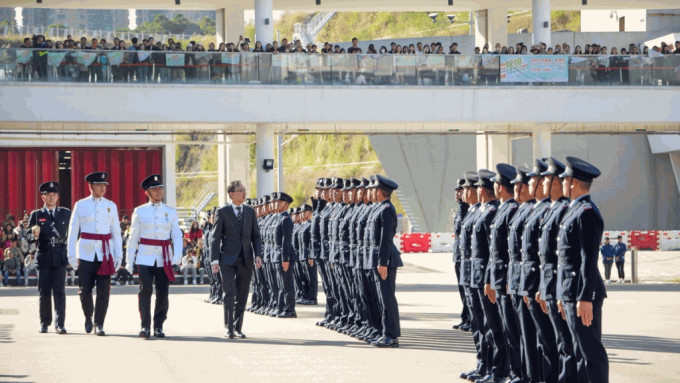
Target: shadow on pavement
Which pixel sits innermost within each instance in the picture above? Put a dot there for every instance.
(644, 287)
(436, 340)
(641, 343)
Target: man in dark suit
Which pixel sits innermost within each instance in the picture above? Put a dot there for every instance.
(51, 259)
(236, 245)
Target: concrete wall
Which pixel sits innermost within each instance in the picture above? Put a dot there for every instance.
(636, 191)
(426, 168)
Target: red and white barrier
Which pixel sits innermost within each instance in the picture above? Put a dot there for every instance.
(441, 242)
(416, 243)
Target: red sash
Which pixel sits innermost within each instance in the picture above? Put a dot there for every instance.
(106, 267)
(165, 245)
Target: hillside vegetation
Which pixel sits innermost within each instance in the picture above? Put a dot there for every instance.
(305, 157)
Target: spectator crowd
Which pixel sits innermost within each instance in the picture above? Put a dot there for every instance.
(133, 66)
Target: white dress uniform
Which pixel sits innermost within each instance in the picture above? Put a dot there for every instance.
(95, 216)
(153, 221)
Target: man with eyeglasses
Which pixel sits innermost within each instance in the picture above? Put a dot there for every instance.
(236, 247)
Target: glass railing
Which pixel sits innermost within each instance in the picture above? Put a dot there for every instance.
(224, 68)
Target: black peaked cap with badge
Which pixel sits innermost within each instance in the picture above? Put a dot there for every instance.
(459, 184)
(338, 183)
(152, 181)
(522, 175)
(283, 197)
(485, 178)
(386, 183)
(505, 173)
(320, 183)
(580, 169)
(555, 167)
(355, 183)
(49, 187)
(364, 183)
(539, 167)
(471, 178)
(347, 185)
(306, 207)
(327, 183)
(97, 178)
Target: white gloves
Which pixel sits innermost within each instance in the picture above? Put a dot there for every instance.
(116, 263)
(130, 268)
(74, 263)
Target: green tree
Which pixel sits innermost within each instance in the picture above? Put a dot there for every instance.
(207, 26)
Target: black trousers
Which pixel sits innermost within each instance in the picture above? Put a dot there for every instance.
(545, 334)
(511, 331)
(530, 357)
(493, 332)
(620, 270)
(565, 346)
(372, 300)
(148, 276)
(325, 283)
(464, 315)
(484, 349)
(608, 271)
(51, 282)
(361, 315)
(298, 278)
(588, 341)
(272, 276)
(286, 299)
(312, 290)
(343, 294)
(236, 285)
(389, 308)
(88, 279)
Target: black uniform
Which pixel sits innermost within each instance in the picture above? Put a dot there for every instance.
(51, 260)
(457, 225)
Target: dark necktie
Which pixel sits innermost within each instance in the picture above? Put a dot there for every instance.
(238, 214)
(51, 214)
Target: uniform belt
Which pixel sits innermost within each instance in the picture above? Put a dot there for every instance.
(55, 241)
(106, 267)
(165, 246)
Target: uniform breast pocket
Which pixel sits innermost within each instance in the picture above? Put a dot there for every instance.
(499, 275)
(566, 283)
(477, 271)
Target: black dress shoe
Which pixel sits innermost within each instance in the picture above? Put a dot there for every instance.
(43, 329)
(99, 330)
(60, 330)
(475, 376)
(287, 315)
(484, 379)
(321, 323)
(88, 325)
(497, 380)
(239, 335)
(158, 333)
(144, 333)
(459, 325)
(229, 334)
(386, 342)
(465, 328)
(464, 375)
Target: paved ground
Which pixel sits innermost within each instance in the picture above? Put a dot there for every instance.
(640, 333)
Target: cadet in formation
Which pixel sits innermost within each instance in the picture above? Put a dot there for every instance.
(155, 245)
(530, 239)
(95, 248)
(51, 225)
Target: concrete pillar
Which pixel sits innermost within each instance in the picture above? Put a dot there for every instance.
(541, 142)
(541, 14)
(264, 22)
(264, 149)
(497, 27)
(229, 24)
(493, 149)
(169, 177)
(491, 26)
(233, 163)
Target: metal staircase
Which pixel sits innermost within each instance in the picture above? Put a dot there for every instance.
(191, 213)
(307, 32)
(413, 218)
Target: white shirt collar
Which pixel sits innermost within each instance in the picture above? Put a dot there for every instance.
(578, 199)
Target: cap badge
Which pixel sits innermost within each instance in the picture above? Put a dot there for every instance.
(155, 178)
(103, 175)
(51, 184)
